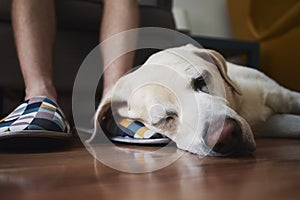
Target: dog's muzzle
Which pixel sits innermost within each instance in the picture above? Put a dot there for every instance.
(230, 140)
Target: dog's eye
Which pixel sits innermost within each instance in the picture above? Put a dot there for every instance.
(199, 84)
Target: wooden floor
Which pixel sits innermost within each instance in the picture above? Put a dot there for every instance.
(72, 173)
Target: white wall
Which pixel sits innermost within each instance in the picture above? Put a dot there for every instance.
(206, 17)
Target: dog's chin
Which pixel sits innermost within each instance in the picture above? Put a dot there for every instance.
(244, 150)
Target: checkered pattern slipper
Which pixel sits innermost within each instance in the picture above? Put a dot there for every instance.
(37, 116)
(133, 132)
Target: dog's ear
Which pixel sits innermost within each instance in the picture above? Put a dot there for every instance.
(103, 106)
(117, 96)
(220, 62)
(102, 109)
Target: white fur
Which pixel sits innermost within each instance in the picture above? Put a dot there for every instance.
(162, 86)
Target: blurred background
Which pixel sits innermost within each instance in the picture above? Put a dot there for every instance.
(203, 17)
(273, 24)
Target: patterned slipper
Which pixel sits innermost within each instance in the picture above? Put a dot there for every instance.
(35, 117)
(132, 132)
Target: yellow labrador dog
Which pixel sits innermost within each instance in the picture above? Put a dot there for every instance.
(203, 103)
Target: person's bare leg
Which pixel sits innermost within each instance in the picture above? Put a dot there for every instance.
(118, 16)
(34, 30)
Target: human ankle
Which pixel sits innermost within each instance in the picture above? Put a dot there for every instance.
(48, 91)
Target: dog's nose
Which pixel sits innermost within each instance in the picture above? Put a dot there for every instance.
(230, 138)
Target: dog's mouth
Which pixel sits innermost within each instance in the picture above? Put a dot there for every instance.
(230, 141)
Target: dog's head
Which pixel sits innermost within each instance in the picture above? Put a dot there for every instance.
(185, 94)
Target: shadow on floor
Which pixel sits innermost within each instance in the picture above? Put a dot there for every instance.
(34, 145)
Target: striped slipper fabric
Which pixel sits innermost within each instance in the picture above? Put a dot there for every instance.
(138, 130)
(134, 132)
(35, 114)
